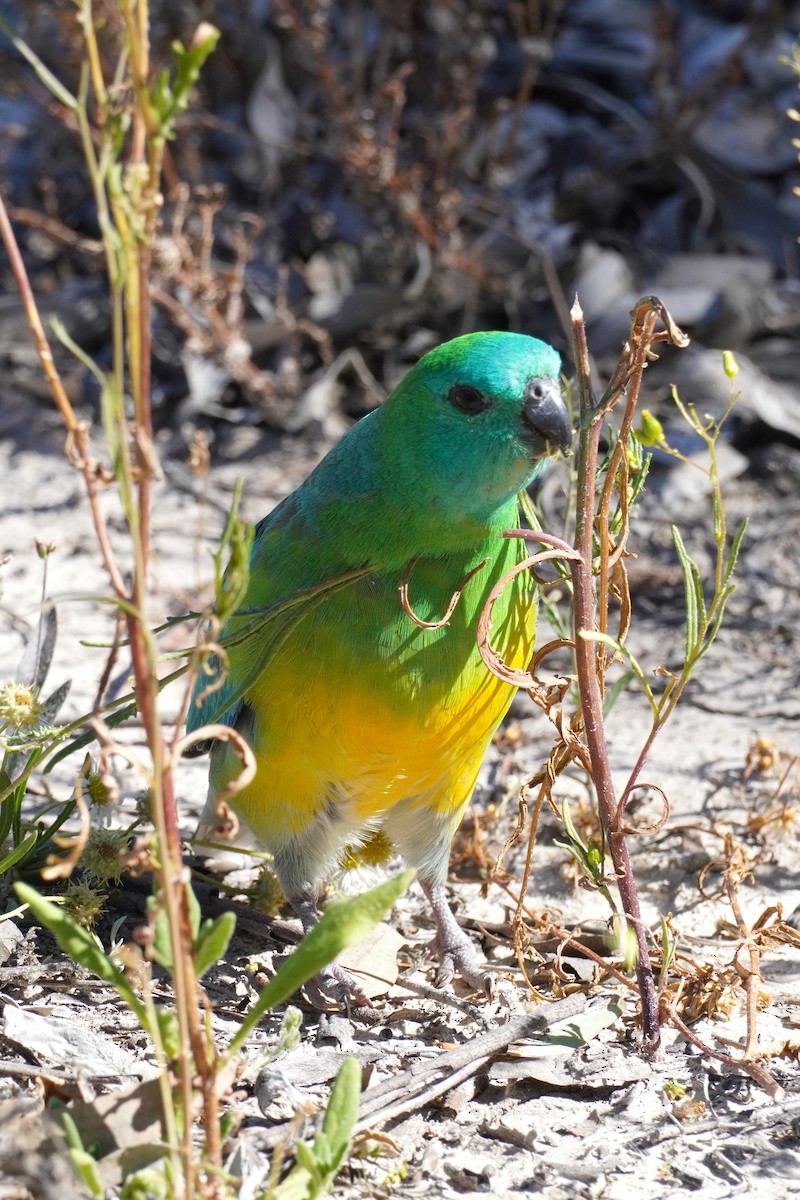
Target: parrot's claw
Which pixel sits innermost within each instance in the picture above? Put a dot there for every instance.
(334, 983)
(462, 959)
(454, 949)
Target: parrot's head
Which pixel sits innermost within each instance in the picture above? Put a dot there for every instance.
(473, 422)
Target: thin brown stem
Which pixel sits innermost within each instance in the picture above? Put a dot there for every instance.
(755, 1070)
(585, 618)
(77, 432)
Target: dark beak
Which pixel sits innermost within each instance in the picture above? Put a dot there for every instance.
(545, 414)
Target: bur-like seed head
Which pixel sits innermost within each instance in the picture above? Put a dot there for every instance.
(19, 706)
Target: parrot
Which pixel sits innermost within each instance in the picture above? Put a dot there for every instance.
(365, 710)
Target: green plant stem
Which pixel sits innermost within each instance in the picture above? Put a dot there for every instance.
(585, 615)
(127, 197)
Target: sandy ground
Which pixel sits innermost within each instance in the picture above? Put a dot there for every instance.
(598, 1121)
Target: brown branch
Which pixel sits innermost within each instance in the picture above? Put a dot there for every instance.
(585, 618)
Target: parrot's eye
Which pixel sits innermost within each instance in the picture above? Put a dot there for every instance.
(468, 399)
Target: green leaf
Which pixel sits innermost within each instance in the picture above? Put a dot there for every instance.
(306, 1157)
(593, 635)
(719, 614)
(668, 947)
(20, 851)
(689, 569)
(162, 941)
(341, 1113)
(169, 1031)
(212, 941)
(46, 76)
(8, 807)
(289, 1032)
(232, 560)
(736, 545)
(60, 330)
(111, 719)
(700, 601)
(194, 912)
(88, 1172)
(318, 1162)
(343, 923)
(81, 947)
(84, 1163)
(572, 833)
(615, 691)
(296, 1186)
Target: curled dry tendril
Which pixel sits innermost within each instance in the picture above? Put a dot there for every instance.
(405, 603)
(642, 830)
(498, 667)
(242, 749)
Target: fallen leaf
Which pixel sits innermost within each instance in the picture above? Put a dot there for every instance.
(374, 962)
(70, 1045)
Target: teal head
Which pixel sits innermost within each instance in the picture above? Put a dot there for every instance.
(473, 422)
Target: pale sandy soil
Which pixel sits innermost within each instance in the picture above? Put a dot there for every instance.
(600, 1123)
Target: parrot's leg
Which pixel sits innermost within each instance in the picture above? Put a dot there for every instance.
(455, 950)
(333, 981)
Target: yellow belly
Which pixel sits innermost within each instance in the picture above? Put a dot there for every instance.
(363, 719)
(331, 739)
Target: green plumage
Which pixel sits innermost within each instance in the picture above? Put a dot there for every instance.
(358, 717)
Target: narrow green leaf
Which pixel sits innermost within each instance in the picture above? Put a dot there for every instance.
(296, 1186)
(528, 511)
(170, 1032)
(668, 948)
(736, 545)
(700, 601)
(615, 691)
(307, 1158)
(606, 639)
(85, 1165)
(47, 77)
(690, 595)
(572, 833)
(20, 851)
(213, 940)
(194, 912)
(162, 942)
(161, 947)
(719, 614)
(112, 719)
(8, 806)
(341, 1112)
(59, 329)
(321, 1154)
(719, 515)
(79, 944)
(343, 923)
(88, 1172)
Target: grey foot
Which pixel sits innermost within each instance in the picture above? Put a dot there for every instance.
(332, 982)
(456, 952)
